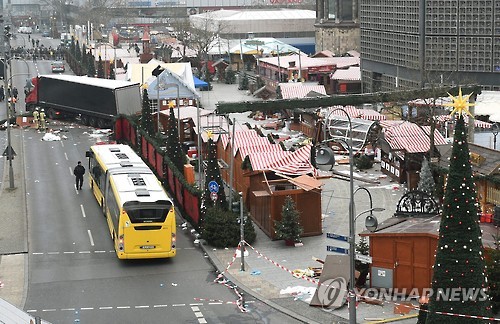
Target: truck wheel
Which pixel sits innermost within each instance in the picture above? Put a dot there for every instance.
(101, 123)
(93, 121)
(85, 120)
(51, 113)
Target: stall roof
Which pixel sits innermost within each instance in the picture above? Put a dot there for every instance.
(410, 137)
(423, 226)
(185, 84)
(487, 161)
(300, 89)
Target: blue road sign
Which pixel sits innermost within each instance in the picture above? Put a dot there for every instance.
(213, 186)
(337, 237)
(337, 249)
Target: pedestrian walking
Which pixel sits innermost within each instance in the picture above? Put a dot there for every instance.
(42, 126)
(36, 118)
(79, 171)
(15, 92)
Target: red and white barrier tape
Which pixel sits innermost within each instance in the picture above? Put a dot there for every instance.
(361, 297)
(221, 280)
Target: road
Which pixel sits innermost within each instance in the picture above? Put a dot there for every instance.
(73, 272)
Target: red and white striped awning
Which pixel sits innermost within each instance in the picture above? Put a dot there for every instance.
(477, 123)
(352, 73)
(351, 111)
(411, 137)
(370, 114)
(284, 162)
(300, 90)
(354, 112)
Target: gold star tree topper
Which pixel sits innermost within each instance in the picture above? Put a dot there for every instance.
(460, 103)
(171, 104)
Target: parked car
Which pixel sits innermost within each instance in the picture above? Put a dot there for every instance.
(46, 33)
(57, 67)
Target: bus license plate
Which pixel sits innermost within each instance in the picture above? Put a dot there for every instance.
(147, 247)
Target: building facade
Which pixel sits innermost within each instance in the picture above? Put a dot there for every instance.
(417, 43)
(337, 26)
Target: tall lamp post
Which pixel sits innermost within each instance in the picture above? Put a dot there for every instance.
(494, 129)
(352, 292)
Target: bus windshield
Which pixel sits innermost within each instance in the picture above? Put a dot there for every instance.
(141, 212)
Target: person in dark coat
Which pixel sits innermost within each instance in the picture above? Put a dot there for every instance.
(79, 171)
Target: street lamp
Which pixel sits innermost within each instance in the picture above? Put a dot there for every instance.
(352, 292)
(494, 129)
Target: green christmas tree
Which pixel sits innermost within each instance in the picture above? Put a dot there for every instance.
(459, 260)
(212, 173)
(78, 53)
(243, 82)
(174, 148)
(426, 182)
(90, 65)
(112, 74)
(289, 228)
(100, 68)
(146, 117)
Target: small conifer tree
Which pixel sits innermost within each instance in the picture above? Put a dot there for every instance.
(289, 228)
(146, 117)
(426, 182)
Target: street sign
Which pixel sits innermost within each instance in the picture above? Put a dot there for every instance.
(9, 152)
(213, 196)
(337, 249)
(337, 237)
(213, 186)
(363, 258)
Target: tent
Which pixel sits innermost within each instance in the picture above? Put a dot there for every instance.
(200, 84)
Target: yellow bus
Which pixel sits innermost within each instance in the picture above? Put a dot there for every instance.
(139, 213)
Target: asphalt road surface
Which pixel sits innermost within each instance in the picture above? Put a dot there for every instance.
(74, 274)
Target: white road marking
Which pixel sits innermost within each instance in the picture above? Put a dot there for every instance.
(155, 306)
(52, 253)
(87, 308)
(69, 252)
(176, 305)
(142, 306)
(99, 251)
(106, 307)
(123, 307)
(90, 237)
(218, 303)
(84, 252)
(66, 156)
(202, 321)
(83, 211)
(196, 304)
(195, 309)
(70, 171)
(49, 310)
(67, 309)
(198, 314)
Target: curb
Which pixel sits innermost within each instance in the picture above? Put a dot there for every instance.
(215, 262)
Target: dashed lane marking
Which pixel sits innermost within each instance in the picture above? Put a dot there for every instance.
(88, 252)
(196, 309)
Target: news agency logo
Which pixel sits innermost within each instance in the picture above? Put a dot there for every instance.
(333, 293)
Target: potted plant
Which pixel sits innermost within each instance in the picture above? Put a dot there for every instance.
(289, 228)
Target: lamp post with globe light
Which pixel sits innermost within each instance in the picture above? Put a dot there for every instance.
(324, 157)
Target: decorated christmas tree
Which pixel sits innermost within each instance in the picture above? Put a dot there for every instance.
(459, 264)
(112, 73)
(289, 228)
(78, 52)
(212, 174)
(426, 182)
(174, 148)
(146, 117)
